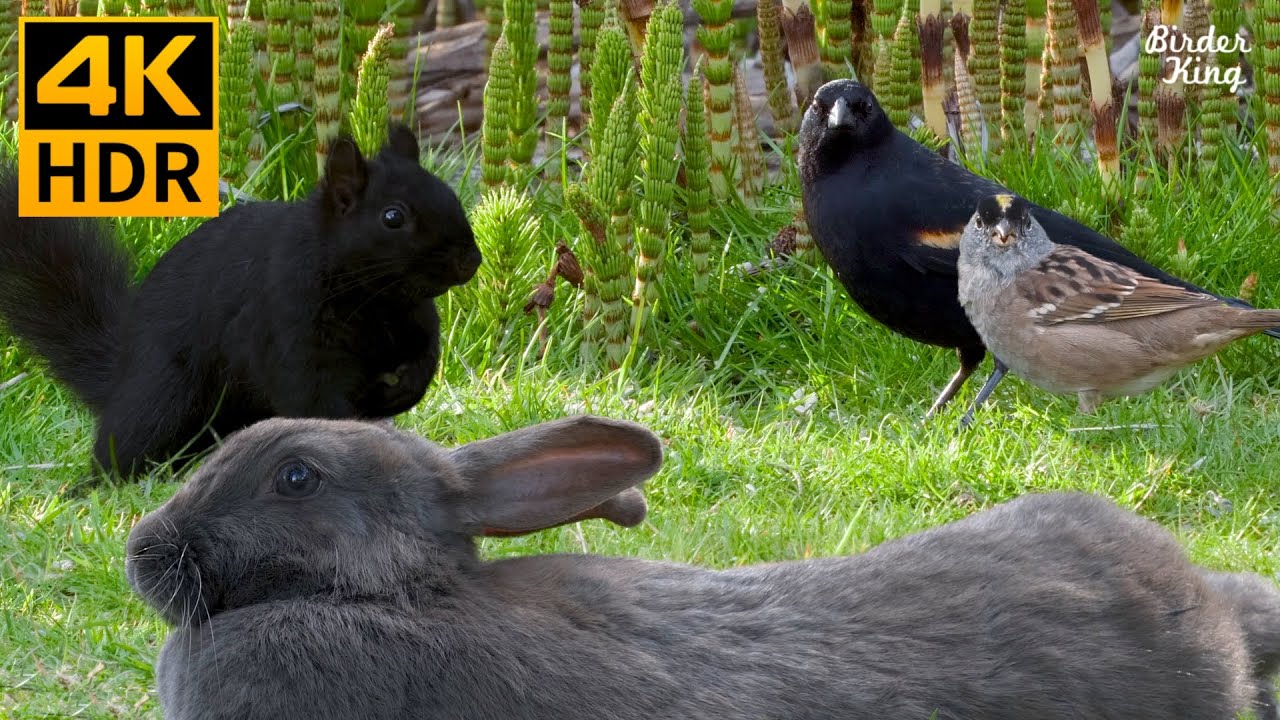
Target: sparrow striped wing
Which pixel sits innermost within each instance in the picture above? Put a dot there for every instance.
(1070, 285)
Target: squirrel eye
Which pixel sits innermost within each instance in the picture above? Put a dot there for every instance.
(296, 480)
(393, 218)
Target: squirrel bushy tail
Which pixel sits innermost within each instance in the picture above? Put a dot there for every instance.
(64, 286)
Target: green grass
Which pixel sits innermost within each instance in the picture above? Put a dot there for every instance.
(755, 470)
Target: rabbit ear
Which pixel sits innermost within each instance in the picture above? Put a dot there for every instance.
(345, 175)
(555, 473)
(402, 141)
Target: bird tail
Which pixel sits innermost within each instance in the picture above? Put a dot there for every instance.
(64, 289)
(1253, 320)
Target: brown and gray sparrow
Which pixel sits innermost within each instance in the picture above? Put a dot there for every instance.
(1070, 322)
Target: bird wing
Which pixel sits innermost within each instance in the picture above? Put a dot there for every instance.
(1071, 285)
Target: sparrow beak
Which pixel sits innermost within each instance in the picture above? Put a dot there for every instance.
(1002, 234)
(839, 114)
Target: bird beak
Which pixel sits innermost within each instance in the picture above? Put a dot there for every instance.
(839, 114)
(1002, 233)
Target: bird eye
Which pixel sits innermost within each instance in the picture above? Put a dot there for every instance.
(393, 218)
(296, 480)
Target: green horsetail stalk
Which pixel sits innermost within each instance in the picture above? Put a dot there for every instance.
(1012, 36)
(327, 18)
(802, 45)
(505, 227)
(608, 74)
(932, 33)
(984, 65)
(401, 94)
(781, 106)
(1211, 136)
(716, 33)
(750, 156)
(837, 51)
(175, 8)
(1064, 70)
(369, 112)
(494, 130)
(1149, 68)
(1035, 61)
(1101, 104)
(612, 186)
(520, 29)
(884, 20)
(304, 44)
(1266, 24)
(595, 234)
(280, 45)
(1226, 18)
(116, 8)
(901, 60)
(235, 85)
(882, 73)
(590, 17)
(494, 20)
(10, 10)
(1195, 23)
(697, 177)
(661, 80)
(559, 66)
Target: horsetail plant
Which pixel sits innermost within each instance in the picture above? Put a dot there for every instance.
(1064, 69)
(750, 156)
(520, 29)
(884, 20)
(1266, 30)
(369, 112)
(882, 73)
(966, 100)
(304, 43)
(236, 121)
(899, 92)
(1012, 35)
(1195, 24)
(802, 45)
(1149, 66)
(497, 104)
(716, 33)
(697, 176)
(635, 15)
(1101, 103)
(983, 64)
(507, 228)
(400, 94)
(1170, 96)
(781, 106)
(327, 19)
(590, 17)
(1226, 19)
(608, 73)
(932, 37)
(837, 51)
(10, 10)
(661, 81)
(494, 20)
(280, 45)
(116, 8)
(559, 66)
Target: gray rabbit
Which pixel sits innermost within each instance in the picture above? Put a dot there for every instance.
(319, 569)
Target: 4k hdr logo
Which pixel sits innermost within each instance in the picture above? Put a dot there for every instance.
(118, 117)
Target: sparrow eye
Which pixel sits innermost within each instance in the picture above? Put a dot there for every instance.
(296, 480)
(393, 218)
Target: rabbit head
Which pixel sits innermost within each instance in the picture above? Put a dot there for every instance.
(392, 215)
(296, 507)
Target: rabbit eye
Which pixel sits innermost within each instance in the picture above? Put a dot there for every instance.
(296, 480)
(393, 218)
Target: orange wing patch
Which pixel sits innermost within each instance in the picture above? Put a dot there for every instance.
(943, 240)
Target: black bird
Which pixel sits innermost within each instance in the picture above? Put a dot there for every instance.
(887, 214)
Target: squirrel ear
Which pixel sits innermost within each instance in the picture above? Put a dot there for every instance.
(555, 473)
(345, 175)
(402, 141)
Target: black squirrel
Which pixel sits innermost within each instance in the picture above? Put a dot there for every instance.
(323, 307)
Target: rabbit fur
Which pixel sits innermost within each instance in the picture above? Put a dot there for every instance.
(326, 569)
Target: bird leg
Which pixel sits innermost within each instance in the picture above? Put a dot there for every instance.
(986, 391)
(970, 359)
